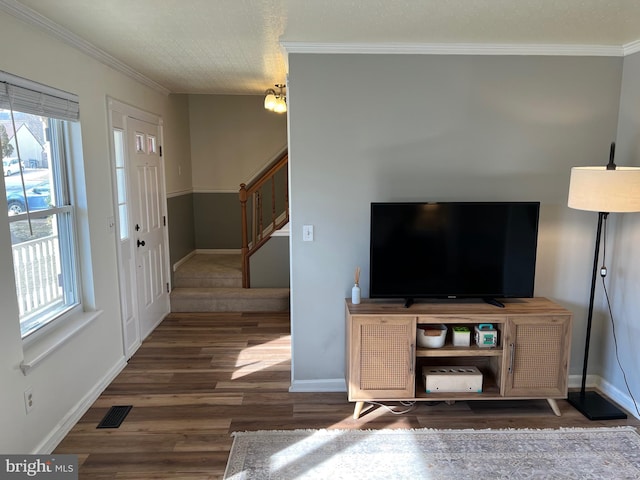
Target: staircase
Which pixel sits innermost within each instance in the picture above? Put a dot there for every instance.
(213, 283)
(264, 210)
(221, 282)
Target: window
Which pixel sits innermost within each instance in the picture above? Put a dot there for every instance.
(34, 135)
(121, 183)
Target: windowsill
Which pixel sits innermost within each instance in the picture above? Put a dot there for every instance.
(36, 351)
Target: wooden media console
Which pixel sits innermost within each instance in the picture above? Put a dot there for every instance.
(530, 359)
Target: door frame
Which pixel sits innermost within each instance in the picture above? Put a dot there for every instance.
(118, 114)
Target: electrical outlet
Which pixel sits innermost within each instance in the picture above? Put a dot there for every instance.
(28, 399)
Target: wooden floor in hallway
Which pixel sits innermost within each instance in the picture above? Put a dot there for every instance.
(199, 377)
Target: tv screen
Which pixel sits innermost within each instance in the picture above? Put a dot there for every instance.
(453, 249)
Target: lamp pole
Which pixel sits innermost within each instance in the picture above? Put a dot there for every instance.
(603, 190)
(591, 404)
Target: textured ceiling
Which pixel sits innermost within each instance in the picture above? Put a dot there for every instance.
(233, 46)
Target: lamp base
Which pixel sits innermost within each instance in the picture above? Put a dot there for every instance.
(595, 407)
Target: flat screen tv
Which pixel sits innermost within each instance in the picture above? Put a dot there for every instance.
(484, 250)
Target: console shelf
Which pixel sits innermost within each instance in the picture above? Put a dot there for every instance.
(490, 390)
(530, 360)
(451, 351)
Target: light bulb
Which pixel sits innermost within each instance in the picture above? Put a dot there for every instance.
(280, 106)
(270, 102)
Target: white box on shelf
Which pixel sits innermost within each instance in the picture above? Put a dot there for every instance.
(452, 379)
(431, 336)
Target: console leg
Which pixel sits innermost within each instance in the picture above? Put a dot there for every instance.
(554, 406)
(357, 410)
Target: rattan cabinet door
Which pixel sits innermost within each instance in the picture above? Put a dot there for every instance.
(538, 356)
(382, 357)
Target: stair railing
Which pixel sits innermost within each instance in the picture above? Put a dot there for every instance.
(263, 223)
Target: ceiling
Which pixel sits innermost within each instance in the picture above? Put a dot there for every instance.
(235, 46)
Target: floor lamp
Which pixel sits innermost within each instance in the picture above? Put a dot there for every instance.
(604, 190)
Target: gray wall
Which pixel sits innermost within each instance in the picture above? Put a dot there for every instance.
(623, 253)
(217, 215)
(181, 227)
(369, 128)
(217, 220)
(270, 264)
(232, 138)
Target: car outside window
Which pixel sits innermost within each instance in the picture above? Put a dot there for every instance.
(40, 213)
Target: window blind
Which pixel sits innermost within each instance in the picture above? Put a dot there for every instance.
(31, 97)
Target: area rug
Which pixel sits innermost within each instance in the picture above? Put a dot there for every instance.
(425, 454)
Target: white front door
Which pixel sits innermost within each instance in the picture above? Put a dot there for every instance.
(140, 221)
(149, 222)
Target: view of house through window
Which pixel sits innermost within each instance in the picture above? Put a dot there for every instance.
(40, 213)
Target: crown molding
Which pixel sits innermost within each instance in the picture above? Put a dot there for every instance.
(24, 13)
(454, 49)
(631, 48)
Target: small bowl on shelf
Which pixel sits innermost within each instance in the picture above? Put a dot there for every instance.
(431, 336)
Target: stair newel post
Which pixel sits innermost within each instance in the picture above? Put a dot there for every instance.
(245, 236)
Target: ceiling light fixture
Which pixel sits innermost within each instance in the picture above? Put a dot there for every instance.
(276, 101)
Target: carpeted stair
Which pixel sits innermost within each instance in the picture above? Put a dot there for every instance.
(213, 283)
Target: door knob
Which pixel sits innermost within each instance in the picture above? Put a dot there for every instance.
(140, 243)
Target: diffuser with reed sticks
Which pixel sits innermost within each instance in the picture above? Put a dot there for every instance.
(355, 291)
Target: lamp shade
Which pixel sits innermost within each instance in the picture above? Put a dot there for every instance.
(600, 190)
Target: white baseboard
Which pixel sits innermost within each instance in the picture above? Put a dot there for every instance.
(575, 381)
(72, 417)
(618, 396)
(324, 385)
(206, 251)
(183, 260)
(595, 381)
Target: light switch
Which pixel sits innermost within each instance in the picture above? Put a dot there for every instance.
(307, 233)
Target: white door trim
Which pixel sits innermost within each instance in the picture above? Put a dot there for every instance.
(118, 113)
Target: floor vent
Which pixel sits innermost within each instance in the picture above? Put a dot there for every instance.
(115, 416)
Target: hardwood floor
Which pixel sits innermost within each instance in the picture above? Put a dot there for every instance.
(199, 377)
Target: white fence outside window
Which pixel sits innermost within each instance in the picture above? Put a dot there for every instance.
(36, 265)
